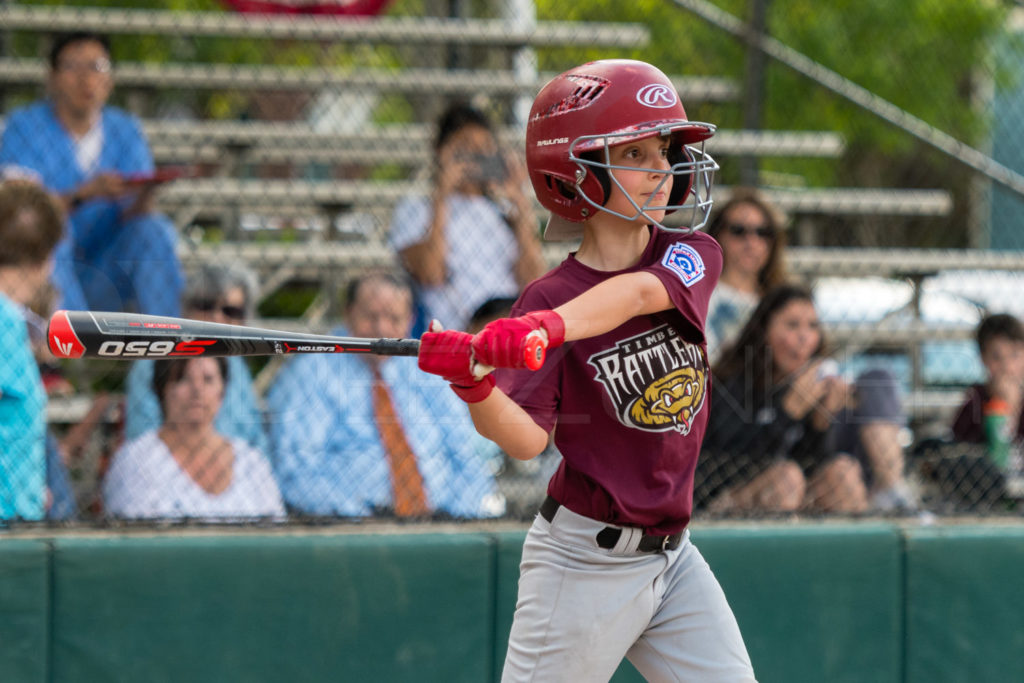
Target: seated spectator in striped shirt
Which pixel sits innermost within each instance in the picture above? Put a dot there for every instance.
(476, 235)
(333, 455)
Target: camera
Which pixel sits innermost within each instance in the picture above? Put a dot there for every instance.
(488, 167)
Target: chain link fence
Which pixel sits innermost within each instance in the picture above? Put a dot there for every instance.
(266, 162)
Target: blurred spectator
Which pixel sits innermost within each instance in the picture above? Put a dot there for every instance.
(787, 433)
(476, 237)
(750, 231)
(31, 225)
(1001, 346)
(981, 468)
(119, 254)
(185, 468)
(63, 450)
(338, 452)
(220, 294)
(60, 498)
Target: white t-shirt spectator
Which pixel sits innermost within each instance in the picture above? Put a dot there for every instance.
(145, 481)
(481, 259)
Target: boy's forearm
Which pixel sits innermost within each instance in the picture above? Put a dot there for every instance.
(607, 305)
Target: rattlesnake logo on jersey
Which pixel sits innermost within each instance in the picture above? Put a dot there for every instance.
(671, 400)
(656, 380)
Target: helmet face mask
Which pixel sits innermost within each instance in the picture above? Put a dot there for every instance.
(691, 170)
(581, 114)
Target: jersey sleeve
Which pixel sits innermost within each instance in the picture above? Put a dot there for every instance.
(689, 267)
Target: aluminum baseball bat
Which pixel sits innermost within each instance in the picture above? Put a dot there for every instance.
(129, 336)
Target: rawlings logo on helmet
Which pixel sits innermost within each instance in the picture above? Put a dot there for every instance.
(657, 95)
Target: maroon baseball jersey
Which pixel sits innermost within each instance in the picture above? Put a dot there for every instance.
(628, 407)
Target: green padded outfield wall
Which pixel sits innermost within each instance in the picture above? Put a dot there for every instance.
(965, 604)
(24, 610)
(410, 607)
(816, 602)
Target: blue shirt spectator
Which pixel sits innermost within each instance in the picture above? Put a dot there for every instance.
(119, 253)
(22, 420)
(31, 225)
(327, 449)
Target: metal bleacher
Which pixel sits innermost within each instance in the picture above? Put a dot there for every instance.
(409, 80)
(255, 141)
(437, 30)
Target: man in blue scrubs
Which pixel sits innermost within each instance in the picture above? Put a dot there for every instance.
(119, 254)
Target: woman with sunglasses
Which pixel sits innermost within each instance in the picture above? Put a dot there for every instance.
(220, 294)
(750, 232)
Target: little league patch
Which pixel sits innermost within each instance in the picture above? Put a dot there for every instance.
(684, 261)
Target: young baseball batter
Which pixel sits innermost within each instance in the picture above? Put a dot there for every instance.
(607, 569)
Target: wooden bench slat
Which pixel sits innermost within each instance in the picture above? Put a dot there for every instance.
(804, 261)
(854, 201)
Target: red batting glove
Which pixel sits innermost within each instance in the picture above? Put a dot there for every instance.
(502, 343)
(449, 353)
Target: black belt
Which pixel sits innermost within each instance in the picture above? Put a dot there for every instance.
(609, 536)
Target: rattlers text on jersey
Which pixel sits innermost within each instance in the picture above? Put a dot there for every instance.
(656, 380)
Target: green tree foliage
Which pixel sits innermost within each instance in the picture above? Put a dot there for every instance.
(157, 49)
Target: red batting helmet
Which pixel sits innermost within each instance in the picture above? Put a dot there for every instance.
(599, 105)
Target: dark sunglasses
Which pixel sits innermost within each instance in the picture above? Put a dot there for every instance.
(206, 305)
(765, 232)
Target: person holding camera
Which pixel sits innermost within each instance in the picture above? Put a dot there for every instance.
(477, 236)
(788, 433)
